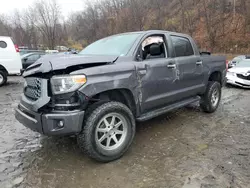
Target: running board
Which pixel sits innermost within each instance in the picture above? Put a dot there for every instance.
(166, 109)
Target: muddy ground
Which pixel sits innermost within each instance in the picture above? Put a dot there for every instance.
(183, 149)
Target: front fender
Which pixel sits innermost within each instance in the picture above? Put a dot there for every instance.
(109, 77)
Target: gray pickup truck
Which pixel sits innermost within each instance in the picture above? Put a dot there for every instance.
(99, 94)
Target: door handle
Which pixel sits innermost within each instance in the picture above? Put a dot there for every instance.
(199, 63)
(143, 70)
(171, 66)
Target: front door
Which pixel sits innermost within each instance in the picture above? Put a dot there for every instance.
(157, 75)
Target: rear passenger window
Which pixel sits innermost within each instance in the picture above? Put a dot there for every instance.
(182, 46)
(3, 44)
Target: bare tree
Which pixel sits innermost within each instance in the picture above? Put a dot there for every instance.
(5, 28)
(47, 14)
(215, 24)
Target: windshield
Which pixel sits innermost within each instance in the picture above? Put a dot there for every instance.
(244, 63)
(115, 45)
(239, 58)
(22, 53)
(25, 55)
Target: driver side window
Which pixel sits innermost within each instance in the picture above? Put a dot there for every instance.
(153, 47)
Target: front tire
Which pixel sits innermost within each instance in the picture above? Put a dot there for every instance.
(211, 99)
(3, 77)
(108, 132)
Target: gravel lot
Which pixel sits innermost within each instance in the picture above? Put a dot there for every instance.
(183, 149)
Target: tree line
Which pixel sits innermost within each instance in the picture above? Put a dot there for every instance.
(216, 25)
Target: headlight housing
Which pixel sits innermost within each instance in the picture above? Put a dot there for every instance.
(67, 83)
(231, 74)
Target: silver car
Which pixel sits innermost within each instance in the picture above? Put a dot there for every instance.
(239, 75)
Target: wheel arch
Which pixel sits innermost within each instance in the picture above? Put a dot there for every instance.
(216, 76)
(122, 95)
(3, 68)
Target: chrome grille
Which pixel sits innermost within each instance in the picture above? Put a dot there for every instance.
(33, 88)
(247, 77)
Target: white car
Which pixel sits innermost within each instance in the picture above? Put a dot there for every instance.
(10, 60)
(236, 60)
(239, 75)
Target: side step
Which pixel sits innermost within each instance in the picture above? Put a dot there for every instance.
(166, 109)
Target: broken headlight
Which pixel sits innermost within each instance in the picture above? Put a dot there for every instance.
(65, 84)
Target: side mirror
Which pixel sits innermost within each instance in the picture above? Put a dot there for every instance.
(230, 65)
(155, 50)
(138, 57)
(25, 59)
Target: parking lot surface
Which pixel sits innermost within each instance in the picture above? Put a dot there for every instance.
(185, 148)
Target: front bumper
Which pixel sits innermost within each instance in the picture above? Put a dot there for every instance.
(234, 80)
(48, 123)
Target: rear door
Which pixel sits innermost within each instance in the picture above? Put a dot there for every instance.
(190, 66)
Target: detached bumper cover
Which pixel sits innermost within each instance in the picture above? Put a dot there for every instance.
(47, 124)
(234, 80)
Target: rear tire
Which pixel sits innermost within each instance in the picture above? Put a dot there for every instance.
(108, 132)
(3, 77)
(211, 99)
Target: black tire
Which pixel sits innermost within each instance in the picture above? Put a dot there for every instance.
(87, 138)
(206, 103)
(4, 75)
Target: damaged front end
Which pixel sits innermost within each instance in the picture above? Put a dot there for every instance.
(51, 103)
(50, 114)
(68, 102)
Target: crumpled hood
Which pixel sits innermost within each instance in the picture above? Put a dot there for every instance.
(240, 70)
(62, 61)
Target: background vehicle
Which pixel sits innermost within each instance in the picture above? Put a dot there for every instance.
(72, 51)
(239, 75)
(10, 61)
(26, 51)
(100, 93)
(51, 51)
(237, 60)
(30, 58)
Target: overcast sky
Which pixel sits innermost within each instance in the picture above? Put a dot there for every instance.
(67, 6)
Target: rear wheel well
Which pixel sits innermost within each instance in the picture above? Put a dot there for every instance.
(123, 96)
(216, 76)
(3, 68)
